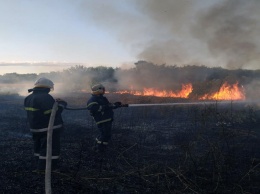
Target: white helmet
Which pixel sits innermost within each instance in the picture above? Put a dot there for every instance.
(44, 83)
(98, 89)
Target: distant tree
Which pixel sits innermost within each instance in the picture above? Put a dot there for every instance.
(78, 69)
(10, 78)
(80, 78)
(101, 74)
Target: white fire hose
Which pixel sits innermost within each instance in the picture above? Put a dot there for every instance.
(165, 104)
(49, 149)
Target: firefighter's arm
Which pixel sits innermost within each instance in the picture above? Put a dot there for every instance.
(116, 105)
(61, 103)
(119, 105)
(93, 106)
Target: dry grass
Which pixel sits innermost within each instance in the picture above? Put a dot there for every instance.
(180, 149)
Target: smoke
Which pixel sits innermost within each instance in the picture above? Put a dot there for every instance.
(252, 92)
(230, 30)
(174, 32)
(169, 37)
(212, 33)
(15, 88)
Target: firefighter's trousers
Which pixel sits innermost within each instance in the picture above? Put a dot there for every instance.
(104, 135)
(40, 148)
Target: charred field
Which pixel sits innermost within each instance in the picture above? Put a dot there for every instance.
(203, 148)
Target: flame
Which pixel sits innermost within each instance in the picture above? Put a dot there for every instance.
(183, 93)
(226, 92)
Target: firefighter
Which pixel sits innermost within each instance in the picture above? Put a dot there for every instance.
(102, 112)
(38, 106)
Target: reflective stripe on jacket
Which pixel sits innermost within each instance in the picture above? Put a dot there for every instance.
(98, 107)
(38, 106)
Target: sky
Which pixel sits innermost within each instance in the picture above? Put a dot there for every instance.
(51, 35)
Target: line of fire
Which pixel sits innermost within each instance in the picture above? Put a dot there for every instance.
(225, 92)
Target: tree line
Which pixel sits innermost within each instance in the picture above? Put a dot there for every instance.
(143, 75)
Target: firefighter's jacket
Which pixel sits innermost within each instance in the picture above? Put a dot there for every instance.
(100, 108)
(39, 107)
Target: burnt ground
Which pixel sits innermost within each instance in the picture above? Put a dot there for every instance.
(160, 149)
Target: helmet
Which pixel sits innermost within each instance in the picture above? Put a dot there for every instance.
(98, 89)
(44, 83)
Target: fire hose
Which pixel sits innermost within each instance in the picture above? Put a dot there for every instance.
(136, 105)
(85, 108)
(160, 104)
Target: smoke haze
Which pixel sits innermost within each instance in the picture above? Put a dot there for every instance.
(220, 33)
(230, 31)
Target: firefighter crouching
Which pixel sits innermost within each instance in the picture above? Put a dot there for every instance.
(102, 112)
(39, 107)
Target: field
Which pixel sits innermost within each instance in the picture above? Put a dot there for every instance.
(200, 148)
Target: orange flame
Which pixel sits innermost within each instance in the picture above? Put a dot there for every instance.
(183, 93)
(226, 92)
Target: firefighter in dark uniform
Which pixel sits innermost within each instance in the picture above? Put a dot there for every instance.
(39, 107)
(102, 112)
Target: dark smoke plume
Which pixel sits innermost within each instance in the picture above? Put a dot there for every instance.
(191, 32)
(230, 30)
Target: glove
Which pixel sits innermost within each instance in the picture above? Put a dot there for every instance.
(111, 106)
(62, 103)
(117, 104)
